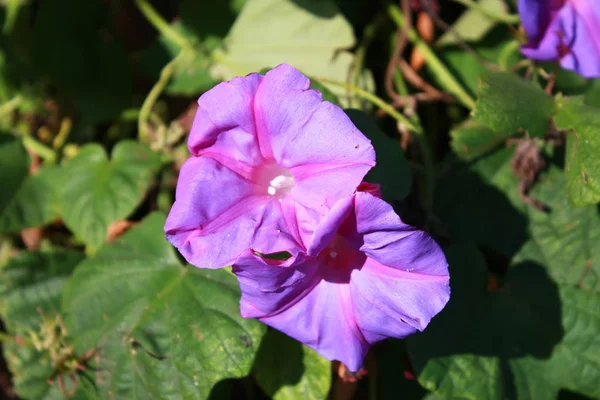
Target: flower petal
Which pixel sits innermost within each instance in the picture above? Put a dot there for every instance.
(535, 17)
(571, 37)
(325, 153)
(377, 231)
(268, 289)
(390, 302)
(217, 216)
(324, 320)
(584, 57)
(282, 105)
(224, 126)
(328, 226)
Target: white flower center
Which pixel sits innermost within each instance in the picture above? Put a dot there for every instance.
(281, 184)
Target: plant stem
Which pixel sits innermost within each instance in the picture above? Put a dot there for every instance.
(160, 24)
(368, 36)
(165, 75)
(10, 105)
(63, 133)
(504, 18)
(47, 154)
(445, 78)
(5, 337)
(373, 99)
(130, 114)
(12, 14)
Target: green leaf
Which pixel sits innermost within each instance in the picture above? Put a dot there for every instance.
(208, 19)
(164, 330)
(469, 69)
(75, 45)
(96, 192)
(566, 239)
(14, 166)
(472, 25)
(592, 94)
(583, 150)
(286, 369)
(527, 339)
(392, 362)
(34, 204)
(508, 104)
(391, 171)
(307, 34)
(471, 139)
(32, 281)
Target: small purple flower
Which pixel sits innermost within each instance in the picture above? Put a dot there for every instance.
(269, 159)
(373, 277)
(565, 30)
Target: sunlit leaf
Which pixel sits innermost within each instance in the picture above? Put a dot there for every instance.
(163, 329)
(582, 164)
(307, 34)
(509, 104)
(96, 191)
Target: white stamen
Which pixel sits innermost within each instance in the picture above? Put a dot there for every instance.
(281, 183)
(333, 254)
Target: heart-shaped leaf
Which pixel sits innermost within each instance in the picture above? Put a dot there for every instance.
(96, 191)
(162, 329)
(30, 283)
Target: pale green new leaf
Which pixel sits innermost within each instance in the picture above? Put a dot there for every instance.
(307, 34)
(472, 25)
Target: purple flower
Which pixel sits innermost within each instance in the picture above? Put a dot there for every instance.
(565, 30)
(374, 277)
(269, 159)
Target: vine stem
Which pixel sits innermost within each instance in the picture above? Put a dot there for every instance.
(40, 149)
(146, 110)
(10, 106)
(428, 166)
(446, 79)
(5, 337)
(161, 24)
(370, 97)
(507, 19)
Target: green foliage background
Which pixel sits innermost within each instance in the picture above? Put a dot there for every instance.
(96, 100)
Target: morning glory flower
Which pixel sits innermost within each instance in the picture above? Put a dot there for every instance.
(564, 30)
(269, 158)
(373, 277)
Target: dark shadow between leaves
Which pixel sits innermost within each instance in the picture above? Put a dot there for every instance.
(472, 209)
(523, 317)
(278, 362)
(319, 8)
